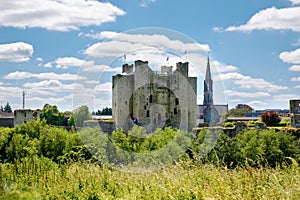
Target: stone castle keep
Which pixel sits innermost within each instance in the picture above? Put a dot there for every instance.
(155, 99)
(295, 113)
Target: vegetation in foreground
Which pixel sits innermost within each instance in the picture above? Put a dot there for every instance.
(43, 162)
(42, 179)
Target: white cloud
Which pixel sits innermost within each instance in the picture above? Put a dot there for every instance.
(295, 2)
(104, 87)
(39, 59)
(291, 57)
(123, 42)
(48, 65)
(272, 19)
(25, 75)
(90, 66)
(247, 82)
(284, 98)
(15, 52)
(221, 67)
(51, 100)
(65, 63)
(258, 104)
(296, 79)
(46, 83)
(295, 68)
(246, 94)
(146, 3)
(217, 29)
(151, 47)
(100, 35)
(10, 92)
(49, 87)
(92, 82)
(58, 15)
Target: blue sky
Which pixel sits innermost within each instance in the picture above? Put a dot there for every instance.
(46, 48)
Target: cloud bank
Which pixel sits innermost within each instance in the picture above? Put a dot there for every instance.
(57, 15)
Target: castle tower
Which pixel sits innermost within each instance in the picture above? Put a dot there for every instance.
(208, 87)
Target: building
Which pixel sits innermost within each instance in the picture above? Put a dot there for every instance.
(258, 113)
(154, 99)
(24, 116)
(208, 112)
(295, 113)
(6, 119)
(18, 117)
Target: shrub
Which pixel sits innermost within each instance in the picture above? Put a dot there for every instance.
(251, 123)
(270, 118)
(228, 124)
(251, 147)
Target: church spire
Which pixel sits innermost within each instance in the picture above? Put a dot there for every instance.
(208, 86)
(208, 73)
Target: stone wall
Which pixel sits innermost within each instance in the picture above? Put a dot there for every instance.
(105, 126)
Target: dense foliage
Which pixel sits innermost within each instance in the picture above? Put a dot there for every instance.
(104, 111)
(239, 111)
(36, 158)
(270, 118)
(35, 178)
(37, 138)
(81, 114)
(53, 116)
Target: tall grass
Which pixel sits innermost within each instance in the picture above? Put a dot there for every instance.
(36, 178)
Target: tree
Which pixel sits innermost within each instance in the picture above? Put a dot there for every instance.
(247, 107)
(239, 111)
(52, 115)
(71, 121)
(81, 114)
(7, 108)
(270, 118)
(105, 111)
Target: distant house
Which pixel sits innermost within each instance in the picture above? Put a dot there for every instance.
(18, 117)
(258, 113)
(242, 119)
(7, 119)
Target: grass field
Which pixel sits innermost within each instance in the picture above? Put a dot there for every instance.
(37, 178)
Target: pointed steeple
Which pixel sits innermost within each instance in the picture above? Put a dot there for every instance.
(208, 86)
(208, 73)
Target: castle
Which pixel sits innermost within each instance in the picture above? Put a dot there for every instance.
(154, 99)
(166, 98)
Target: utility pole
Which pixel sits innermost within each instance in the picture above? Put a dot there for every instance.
(24, 99)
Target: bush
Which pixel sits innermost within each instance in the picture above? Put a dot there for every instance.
(200, 125)
(251, 123)
(257, 148)
(270, 118)
(228, 124)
